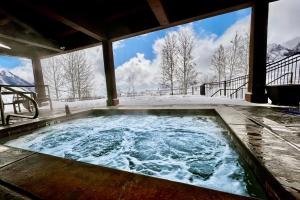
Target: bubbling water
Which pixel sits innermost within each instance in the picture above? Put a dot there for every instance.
(188, 149)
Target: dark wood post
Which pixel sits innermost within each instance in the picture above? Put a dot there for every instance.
(258, 53)
(108, 58)
(202, 89)
(38, 79)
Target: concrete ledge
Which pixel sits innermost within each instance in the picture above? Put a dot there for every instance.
(275, 162)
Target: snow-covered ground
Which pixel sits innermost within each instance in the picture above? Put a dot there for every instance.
(140, 101)
(180, 100)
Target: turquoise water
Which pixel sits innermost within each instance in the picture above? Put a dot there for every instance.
(189, 149)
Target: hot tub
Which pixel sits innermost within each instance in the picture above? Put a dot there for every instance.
(190, 147)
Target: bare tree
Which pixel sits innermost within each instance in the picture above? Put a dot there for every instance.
(68, 62)
(232, 60)
(52, 72)
(244, 54)
(131, 79)
(85, 76)
(232, 54)
(169, 61)
(186, 73)
(78, 74)
(218, 62)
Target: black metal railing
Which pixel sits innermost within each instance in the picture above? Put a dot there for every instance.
(236, 86)
(283, 72)
(22, 95)
(31, 100)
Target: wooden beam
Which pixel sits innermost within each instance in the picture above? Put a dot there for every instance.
(159, 11)
(109, 69)
(31, 37)
(49, 55)
(32, 42)
(38, 79)
(57, 17)
(258, 53)
(11, 17)
(9, 52)
(22, 50)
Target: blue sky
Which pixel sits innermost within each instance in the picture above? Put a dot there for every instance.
(9, 62)
(143, 44)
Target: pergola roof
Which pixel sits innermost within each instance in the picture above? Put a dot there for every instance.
(48, 27)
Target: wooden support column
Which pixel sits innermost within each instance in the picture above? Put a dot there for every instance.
(108, 58)
(258, 53)
(38, 79)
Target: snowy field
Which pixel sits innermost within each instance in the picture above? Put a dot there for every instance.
(181, 100)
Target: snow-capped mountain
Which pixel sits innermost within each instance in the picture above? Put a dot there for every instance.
(279, 51)
(8, 78)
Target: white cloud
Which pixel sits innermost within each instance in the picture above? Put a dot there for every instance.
(207, 44)
(242, 27)
(145, 72)
(284, 19)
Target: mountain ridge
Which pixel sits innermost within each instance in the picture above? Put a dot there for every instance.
(8, 78)
(279, 51)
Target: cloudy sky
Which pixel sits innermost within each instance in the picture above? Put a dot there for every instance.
(141, 54)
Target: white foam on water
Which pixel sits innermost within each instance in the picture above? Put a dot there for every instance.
(188, 149)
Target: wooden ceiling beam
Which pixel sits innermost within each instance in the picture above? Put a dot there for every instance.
(8, 52)
(11, 17)
(31, 36)
(31, 42)
(59, 18)
(159, 11)
(20, 50)
(67, 33)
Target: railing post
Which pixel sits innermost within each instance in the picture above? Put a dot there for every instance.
(224, 88)
(192, 90)
(291, 80)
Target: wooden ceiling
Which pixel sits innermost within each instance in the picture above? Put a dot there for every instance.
(48, 27)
